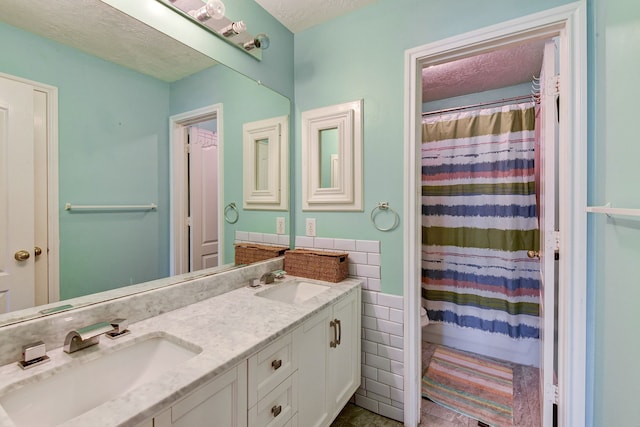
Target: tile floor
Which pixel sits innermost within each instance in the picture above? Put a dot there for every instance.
(525, 401)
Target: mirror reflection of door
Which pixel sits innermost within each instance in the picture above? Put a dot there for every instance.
(24, 143)
(203, 195)
(262, 164)
(329, 170)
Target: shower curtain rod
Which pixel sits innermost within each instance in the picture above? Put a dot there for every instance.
(481, 104)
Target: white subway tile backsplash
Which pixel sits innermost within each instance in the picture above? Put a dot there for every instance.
(377, 311)
(256, 237)
(373, 284)
(390, 352)
(377, 388)
(344, 244)
(323, 243)
(369, 297)
(366, 403)
(368, 246)
(272, 239)
(382, 326)
(242, 236)
(392, 301)
(396, 341)
(369, 372)
(389, 327)
(396, 315)
(304, 242)
(375, 336)
(390, 412)
(397, 395)
(283, 239)
(357, 257)
(369, 347)
(373, 259)
(372, 271)
(377, 361)
(390, 379)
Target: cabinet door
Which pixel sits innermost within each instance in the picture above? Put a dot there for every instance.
(344, 358)
(313, 338)
(220, 403)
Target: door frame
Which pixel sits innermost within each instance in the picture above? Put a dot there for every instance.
(568, 22)
(53, 214)
(178, 235)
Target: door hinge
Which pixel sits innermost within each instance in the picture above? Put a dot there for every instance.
(552, 395)
(188, 221)
(553, 85)
(187, 148)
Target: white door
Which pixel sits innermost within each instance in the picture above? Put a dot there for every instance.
(548, 242)
(203, 197)
(16, 196)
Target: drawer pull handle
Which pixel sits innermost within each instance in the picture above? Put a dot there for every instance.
(276, 364)
(339, 331)
(334, 343)
(276, 410)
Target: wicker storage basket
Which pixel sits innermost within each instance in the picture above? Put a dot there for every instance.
(320, 265)
(246, 253)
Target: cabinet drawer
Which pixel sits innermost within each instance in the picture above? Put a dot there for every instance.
(276, 408)
(270, 367)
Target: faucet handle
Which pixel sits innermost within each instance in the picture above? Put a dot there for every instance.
(120, 328)
(33, 354)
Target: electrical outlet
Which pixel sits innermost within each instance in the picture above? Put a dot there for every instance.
(280, 225)
(311, 227)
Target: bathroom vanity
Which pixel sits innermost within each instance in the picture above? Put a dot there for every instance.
(285, 354)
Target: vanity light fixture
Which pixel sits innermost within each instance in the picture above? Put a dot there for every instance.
(261, 41)
(233, 29)
(213, 9)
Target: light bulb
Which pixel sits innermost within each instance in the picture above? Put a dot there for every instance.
(233, 29)
(213, 9)
(261, 42)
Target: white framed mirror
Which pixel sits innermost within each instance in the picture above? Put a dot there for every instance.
(332, 158)
(265, 147)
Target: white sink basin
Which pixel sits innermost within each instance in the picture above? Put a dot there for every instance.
(294, 292)
(80, 388)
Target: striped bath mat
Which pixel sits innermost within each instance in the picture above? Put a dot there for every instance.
(478, 388)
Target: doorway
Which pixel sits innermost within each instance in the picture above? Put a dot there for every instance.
(196, 189)
(29, 189)
(567, 24)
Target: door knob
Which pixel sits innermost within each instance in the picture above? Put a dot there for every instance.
(21, 255)
(37, 251)
(533, 254)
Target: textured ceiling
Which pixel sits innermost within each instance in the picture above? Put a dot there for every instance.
(96, 28)
(298, 15)
(499, 68)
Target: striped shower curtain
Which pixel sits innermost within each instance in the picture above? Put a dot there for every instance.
(479, 219)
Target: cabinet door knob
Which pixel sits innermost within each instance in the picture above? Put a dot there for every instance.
(533, 254)
(276, 410)
(22, 255)
(276, 364)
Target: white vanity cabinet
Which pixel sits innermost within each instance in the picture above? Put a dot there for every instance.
(220, 403)
(328, 361)
(273, 384)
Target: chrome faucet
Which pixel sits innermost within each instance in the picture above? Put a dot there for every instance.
(90, 335)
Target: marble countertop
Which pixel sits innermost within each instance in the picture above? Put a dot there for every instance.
(228, 328)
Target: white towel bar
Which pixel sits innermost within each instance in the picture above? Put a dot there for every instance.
(149, 207)
(608, 210)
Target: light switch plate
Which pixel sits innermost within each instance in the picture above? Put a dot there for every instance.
(280, 225)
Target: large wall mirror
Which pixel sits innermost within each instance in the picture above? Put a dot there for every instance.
(114, 147)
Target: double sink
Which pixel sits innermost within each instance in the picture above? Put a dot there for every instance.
(49, 400)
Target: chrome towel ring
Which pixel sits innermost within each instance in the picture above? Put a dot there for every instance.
(231, 207)
(384, 206)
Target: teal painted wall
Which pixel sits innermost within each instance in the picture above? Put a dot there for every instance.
(243, 101)
(112, 150)
(614, 243)
(361, 56)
